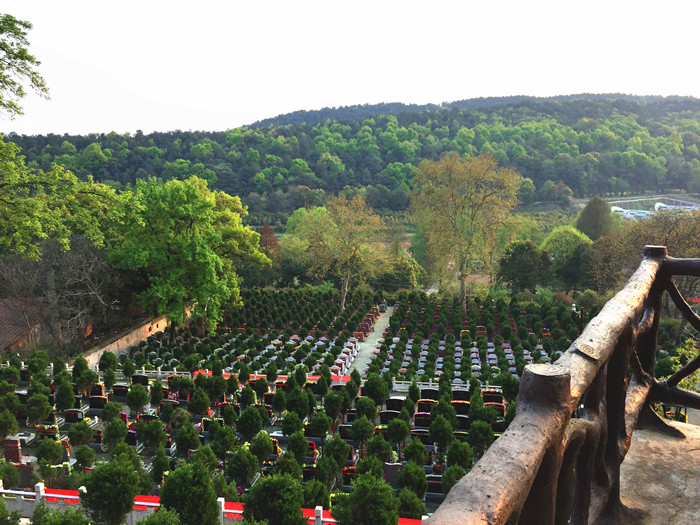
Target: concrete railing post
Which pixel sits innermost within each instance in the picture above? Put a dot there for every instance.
(39, 491)
(318, 515)
(221, 502)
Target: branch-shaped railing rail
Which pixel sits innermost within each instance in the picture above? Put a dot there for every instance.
(550, 467)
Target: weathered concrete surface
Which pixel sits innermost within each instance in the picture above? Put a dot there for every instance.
(660, 478)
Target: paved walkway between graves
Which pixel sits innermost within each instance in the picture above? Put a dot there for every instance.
(365, 347)
(660, 477)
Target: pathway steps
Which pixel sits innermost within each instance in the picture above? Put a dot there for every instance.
(365, 347)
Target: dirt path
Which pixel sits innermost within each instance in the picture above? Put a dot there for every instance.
(361, 362)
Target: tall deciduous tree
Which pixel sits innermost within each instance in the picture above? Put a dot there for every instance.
(186, 240)
(562, 241)
(17, 65)
(458, 204)
(37, 205)
(338, 239)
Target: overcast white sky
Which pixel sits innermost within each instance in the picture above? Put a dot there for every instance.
(213, 65)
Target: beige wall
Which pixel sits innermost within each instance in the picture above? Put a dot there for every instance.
(126, 341)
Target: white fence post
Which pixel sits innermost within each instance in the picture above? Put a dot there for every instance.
(318, 517)
(39, 490)
(221, 502)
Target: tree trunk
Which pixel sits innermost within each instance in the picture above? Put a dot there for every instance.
(463, 284)
(344, 290)
(172, 329)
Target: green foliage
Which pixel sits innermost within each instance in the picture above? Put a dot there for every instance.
(80, 433)
(414, 391)
(137, 397)
(682, 355)
(474, 195)
(632, 144)
(114, 433)
(68, 516)
(187, 438)
(9, 475)
(319, 424)
(277, 499)
(247, 396)
(361, 429)
(8, 424)
(204, 229)
(222, 439)
(415, 451)
(524, 265)
(262, 446)
(188, 490)
(372, 465)
(595, 220)
(366, 407)
(49, 451)
(460, 453)
(199, 402)
(110, 411)
(242, 466)
(412, 476)
(480, 437)
(338, 449)
(316, 494)
(65, 398)
(376, 389)
(18, 66)
(206, 457)
(298, 445)
(336, 240)
(85, 456)
(378, 447)
(10, 518)
(451, 476)
(410, 505)
(249, 423)
(478, 411)
(108, 360)
(371, 502)
(398, 430)
(111, 489)
(38, 361)
(128, 369)
(562, 242)
(151, 434)
(162, 517)
(160, 465)
(287, 464)
(441, 433)
(38, 408)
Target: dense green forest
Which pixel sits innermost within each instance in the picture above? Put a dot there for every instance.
(592, 145)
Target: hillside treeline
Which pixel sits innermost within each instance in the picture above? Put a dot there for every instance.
(588, 145)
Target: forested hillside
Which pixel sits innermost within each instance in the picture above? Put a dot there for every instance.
(592, 145)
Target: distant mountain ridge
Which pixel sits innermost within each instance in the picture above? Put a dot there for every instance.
(607, 144)
(361, 111)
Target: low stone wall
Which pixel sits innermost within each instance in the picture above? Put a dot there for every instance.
(124, 342)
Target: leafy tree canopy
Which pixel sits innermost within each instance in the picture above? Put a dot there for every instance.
(186, 240)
